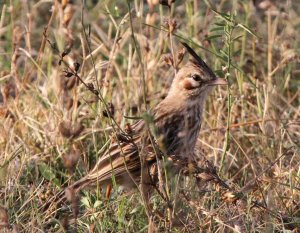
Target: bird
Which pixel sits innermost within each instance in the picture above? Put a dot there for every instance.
(172, 130)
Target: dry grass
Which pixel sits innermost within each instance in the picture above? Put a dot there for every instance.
(53, 127)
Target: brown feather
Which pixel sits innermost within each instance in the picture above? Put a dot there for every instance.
(177, 121)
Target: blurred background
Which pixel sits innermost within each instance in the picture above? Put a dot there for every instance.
(56, 57)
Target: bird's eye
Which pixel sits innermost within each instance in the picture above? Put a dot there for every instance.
(196, 77)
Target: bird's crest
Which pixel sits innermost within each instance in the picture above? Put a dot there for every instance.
(198, 61)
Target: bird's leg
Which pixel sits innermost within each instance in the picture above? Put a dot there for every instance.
(108, 191)
(146, 195)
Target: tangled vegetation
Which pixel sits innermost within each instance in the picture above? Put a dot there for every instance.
(72, 72)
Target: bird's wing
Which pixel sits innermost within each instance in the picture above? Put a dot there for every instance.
(123, 157)
(119, 159)
(116, 161)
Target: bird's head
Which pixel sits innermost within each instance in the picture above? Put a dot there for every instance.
(195, 79)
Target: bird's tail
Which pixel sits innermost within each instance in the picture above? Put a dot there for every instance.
(66, 194)
(109, 164)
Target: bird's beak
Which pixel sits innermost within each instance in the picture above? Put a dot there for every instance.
(217, 81)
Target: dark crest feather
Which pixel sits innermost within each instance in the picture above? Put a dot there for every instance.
(198, 60)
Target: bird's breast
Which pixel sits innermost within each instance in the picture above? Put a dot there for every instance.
(179, 130)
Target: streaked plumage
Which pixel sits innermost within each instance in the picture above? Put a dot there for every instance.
(176, 125)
